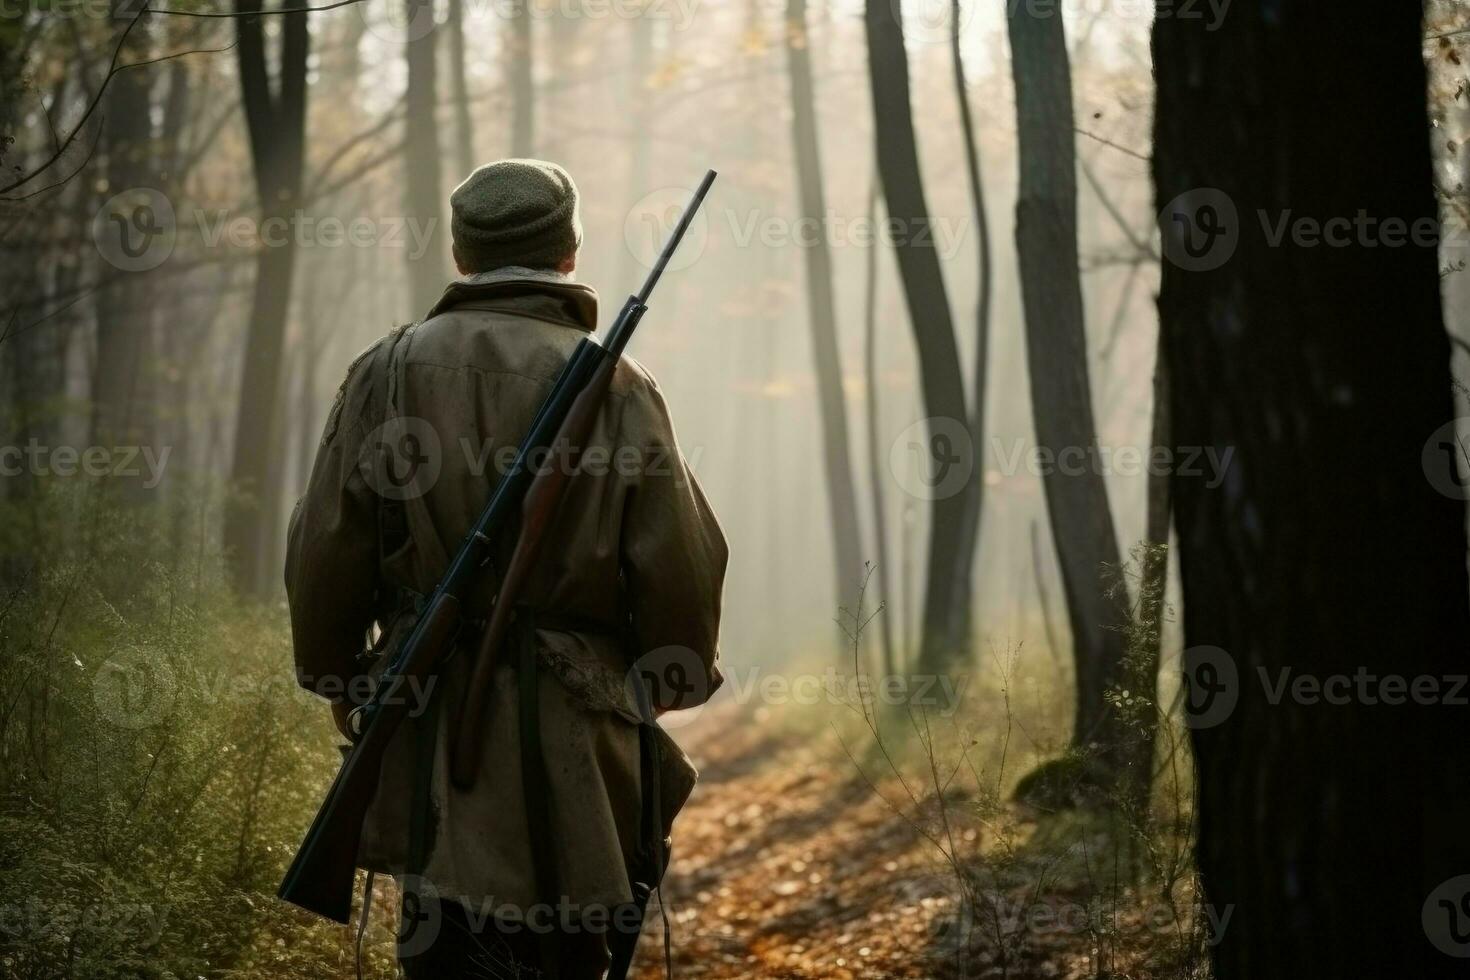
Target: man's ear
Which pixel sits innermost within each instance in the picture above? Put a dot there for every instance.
(458, 263)
(567, 265)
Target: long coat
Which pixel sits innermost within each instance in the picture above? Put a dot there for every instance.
(635, 541)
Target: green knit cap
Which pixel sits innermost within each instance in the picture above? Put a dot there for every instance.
(515, 212)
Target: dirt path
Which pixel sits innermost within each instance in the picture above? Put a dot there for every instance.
(787, 865)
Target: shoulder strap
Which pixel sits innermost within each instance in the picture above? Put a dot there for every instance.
(387, 370)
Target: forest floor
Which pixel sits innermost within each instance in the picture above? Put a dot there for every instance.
(787, 863)
(158, 765)
(804, 853)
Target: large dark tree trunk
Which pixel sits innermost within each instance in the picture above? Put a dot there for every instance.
(1056, 354)
(822, 313)
(276, 118)
(422, 194)
(1336, 544)
(945, 628)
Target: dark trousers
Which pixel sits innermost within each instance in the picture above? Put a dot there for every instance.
(458, 947)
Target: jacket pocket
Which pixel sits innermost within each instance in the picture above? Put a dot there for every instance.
(677, 777)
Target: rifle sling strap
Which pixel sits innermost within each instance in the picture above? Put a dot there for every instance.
(653, 848)
(421, 814)
(646, 874)
(535, 785)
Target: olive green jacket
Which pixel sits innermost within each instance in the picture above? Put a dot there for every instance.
(635, 541)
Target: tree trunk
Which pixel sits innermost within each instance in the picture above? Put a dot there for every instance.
(944, 638)
(964, 585)
(276, 122)
(640, 66)
(464, 129)
(1056, 353)
(122, 404)
(423, 196)
(1335, 546)
(883, 573)
(522, 84)
(822, 314)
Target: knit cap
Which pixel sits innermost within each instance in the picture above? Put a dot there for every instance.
(515, 212)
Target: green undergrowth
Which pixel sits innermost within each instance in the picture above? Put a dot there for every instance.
(158, 764)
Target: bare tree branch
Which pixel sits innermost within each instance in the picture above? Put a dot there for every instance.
(1107, 142)
(230, 15)
(114, 69)
(1141, 244)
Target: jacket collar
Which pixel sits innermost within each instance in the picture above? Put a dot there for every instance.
(538, 293)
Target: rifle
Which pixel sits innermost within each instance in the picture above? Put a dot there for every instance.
(321, 877)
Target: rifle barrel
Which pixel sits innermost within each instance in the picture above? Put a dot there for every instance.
(673, 242)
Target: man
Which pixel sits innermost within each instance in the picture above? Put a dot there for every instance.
(499, 881)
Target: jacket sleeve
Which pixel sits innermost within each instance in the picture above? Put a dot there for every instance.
(673, 556)
(331, 548)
